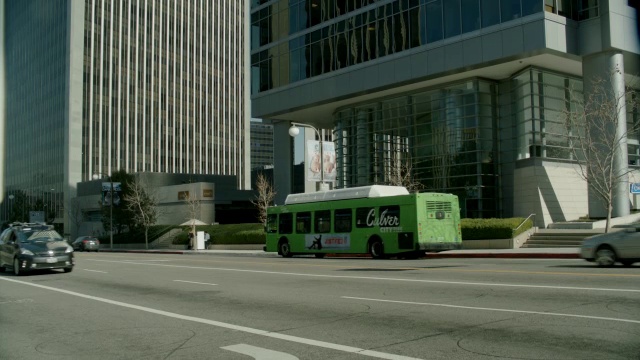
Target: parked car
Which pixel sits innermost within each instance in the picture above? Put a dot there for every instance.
(31, 246)
(86, 243)
(617, 246)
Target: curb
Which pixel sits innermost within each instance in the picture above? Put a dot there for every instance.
(507, 256)
(477, 255)
(143, 251)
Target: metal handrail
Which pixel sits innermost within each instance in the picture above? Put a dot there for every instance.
(524, 221)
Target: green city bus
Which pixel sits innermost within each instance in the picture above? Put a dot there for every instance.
(379, 220)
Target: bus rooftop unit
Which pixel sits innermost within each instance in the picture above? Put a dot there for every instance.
(378, 220)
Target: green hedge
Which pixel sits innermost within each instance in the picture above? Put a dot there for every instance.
(136, 236)
(228, 234)
(483, 229)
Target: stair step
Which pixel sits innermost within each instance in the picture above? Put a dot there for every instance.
(558, 237)
(546, 238)
(545, 243)
(527, 245)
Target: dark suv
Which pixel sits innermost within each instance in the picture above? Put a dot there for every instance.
(32, 246)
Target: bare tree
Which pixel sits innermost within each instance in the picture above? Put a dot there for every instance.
(74, 212)
(142, 203)
(193, 211)
(597, 140)
(264, 198)
(401, 173)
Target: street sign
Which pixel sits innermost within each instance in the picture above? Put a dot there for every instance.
(634, 188)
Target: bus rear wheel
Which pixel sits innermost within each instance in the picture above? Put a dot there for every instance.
(376, 249)
(285, 249)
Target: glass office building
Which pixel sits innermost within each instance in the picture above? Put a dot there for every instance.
(95, 86)
(470, 93)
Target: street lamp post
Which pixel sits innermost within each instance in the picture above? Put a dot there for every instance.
(11, 197)
(96, 177)
(294, 131)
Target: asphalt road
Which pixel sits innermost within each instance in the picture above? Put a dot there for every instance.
(157, 306)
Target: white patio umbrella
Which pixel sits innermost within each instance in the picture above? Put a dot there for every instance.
(192, 222)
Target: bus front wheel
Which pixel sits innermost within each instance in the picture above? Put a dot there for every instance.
(376, 249)
(285, 249)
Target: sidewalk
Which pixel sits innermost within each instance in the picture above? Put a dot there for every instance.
(531, 253)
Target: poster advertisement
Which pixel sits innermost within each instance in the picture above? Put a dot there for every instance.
(106, 193)
(315, 163)
(327, 241)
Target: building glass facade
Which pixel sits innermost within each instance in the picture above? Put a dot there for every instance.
(35, 57)
(261, 145)
(447, 135)
(98, 86)
(293, 40)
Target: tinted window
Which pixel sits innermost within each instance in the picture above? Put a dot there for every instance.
(286, 223)
(434, 21)
(303, 223)
(343, 220)
(470, 15)
(323, 221)
(490, 12)
(389, 216)
(362, 214)
(5, 236)
(272, 223)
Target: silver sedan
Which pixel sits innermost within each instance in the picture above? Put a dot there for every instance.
(618, 246)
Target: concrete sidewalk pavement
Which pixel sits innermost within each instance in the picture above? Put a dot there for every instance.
(531, 253)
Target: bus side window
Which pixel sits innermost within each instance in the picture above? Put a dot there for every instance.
(342, 219)
(285, 225)
(303, 222)
(323, 221)
(391, 216)
(362, 215)
(272, 223)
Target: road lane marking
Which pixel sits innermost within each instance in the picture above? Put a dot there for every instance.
(265, 333)
(432, 269)
(194, 282)
(494, 309)
(98, 271)
(382, 278)
(18, 301)
(259, 353)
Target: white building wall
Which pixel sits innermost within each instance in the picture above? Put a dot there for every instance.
(555, 192)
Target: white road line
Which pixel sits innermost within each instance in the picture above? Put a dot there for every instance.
(385, 278)
(194, 282)
(494, 309)
(259, 353)
(275, 335)
(104, 272)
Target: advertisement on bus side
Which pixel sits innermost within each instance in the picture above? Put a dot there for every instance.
(327, 241)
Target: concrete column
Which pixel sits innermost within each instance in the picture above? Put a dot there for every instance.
(282, 161)
(609, 67)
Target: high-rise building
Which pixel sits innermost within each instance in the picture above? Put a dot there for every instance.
(95, 86)
(469, 93)
(261, 144)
